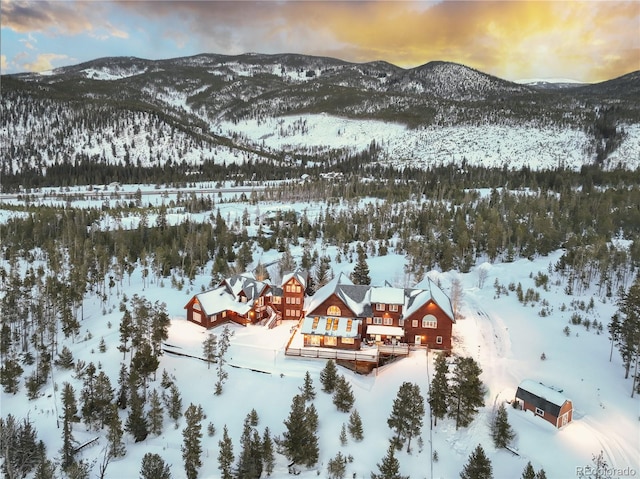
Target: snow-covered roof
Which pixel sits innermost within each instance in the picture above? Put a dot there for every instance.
(246, 283)
(219, 299)
(387, 295)
(324, 326)
(327, 290)
(300, 276)
(385, 330)
(541, 396)
(425, 291)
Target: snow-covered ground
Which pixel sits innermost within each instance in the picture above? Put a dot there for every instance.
(506, 338)
(485, 145)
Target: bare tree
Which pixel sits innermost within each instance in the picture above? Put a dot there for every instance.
(456, 296)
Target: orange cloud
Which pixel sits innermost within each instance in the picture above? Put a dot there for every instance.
(43, 62)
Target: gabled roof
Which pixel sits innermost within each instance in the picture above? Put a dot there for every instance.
(541, 396)
(245, 283)
(327, 290)
(300, 275)
(426, 291)
(218, 300)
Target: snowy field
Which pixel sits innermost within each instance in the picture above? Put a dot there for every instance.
(505, 337)
(482, 145)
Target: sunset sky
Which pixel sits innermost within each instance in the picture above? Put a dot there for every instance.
(583, 40)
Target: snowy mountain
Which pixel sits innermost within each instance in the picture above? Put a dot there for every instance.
(211, 109)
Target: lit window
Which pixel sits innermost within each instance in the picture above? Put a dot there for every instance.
(334, 311)
(288, 288)
(347, 340)
(335, 324)
(315, 322)
(329, 324)
(414, 323)
(349, 324)
(369, 320)
(298, 300)
(330, 341)
(298, 289)
(313, 340)
(224, 314)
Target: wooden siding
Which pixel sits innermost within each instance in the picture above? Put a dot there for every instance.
(567, 408)
(292, 304)
(429, 336)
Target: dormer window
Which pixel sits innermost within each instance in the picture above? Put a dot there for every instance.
(334, 311)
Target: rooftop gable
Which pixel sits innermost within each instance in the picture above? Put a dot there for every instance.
(541, 396)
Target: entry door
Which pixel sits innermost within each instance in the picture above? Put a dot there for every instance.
(418, 340)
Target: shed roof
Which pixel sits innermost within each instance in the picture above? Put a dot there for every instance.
(541, 396)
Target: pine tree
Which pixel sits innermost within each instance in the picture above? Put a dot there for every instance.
(355, 426)
(389, 468)
(628, 333)
(223, 346)
(322, 272)
(173, 403)
(361, 270)
(10, 373)
(329, 376)
(286, 263)
(407, 414)
(337, 467)
(343, 395)
(439, 389)
(115, 433)
(19, 447)
(123, 387)
(478, 466)
(225, 455)
(210, 348)
(343, 435)
(467, 391)
(541, 474)
(250, 457)
(69, 416)
(299, 443)
(192, 436)
(307, 389)
(311, 417)
(136, 423)
(529, 472)
(126, 326)
(501, 431)
(253, 417)
(268, 459)
(155, 415)
(65, 358)
(45, 470)
(154, 467)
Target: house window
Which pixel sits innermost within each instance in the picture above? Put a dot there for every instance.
(313, 340)
(388, 321)
(297, 300)
(260, 301)
(288, 288)
(330, 341)
(369, 320)
(214, 318)
(380, 307)
(277, 300)
(401, 322)
(298, 289)
(333, 311)
(288, 300)
(315, 322)
(329, 324)
(347, 340)
(438, 339)
(393, 307)
(196, 306)
(349, 324)
(224, 314)
(414, 323)
(335, 324)
(377, 320)
(539, 412)
(429, 321)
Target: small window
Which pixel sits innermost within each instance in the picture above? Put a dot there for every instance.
(277, 300)
(401, 322)
(377, 320)
(388, 321)
(313, 340)
(224, 314)
(298, 300)
(329, 324)
(334, 311)
(349, 325)
(380, 307)
(347, 341)
(369, 320)
(330, 341)
(393, 307)
(288, 300)
(298, 289)
(414, 323)
(335, 323)
(539, 412)
(438, 339)
(430, 321)
(288, 288)
(316, 320)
